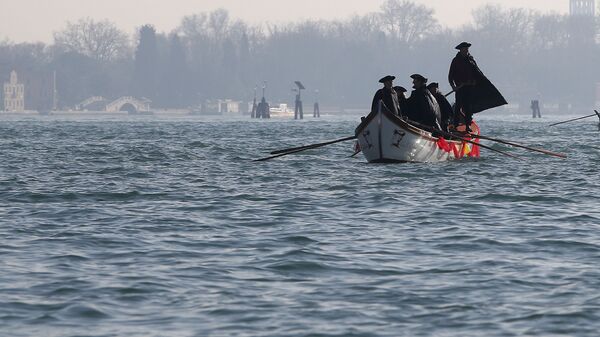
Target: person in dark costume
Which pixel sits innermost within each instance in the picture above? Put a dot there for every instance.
(447, 113)
(387, 94)
(402, 101)
(474, 92)
(422, 106)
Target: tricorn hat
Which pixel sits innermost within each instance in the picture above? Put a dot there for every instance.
(418, 77)
(387, 78)
(433, 85)
(401, 89)
(463, 45)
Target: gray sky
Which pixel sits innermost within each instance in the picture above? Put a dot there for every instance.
(35, 20)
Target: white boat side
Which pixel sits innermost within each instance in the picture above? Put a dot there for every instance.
(385, 138)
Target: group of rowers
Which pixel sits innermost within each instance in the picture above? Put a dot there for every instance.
(426, 104)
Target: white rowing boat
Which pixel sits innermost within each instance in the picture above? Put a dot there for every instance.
(383, 137)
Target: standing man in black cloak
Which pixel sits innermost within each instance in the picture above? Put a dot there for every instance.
(422, 106)
(447, 113)
(474, 92)
(387, 94)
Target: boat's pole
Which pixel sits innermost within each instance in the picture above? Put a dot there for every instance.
(454, 90)
(454, 136)
(572, 120)
(285, 152)
(506, 142)
(313, 145)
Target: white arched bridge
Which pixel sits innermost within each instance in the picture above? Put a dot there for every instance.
(125, 103)
(129, 104)
(88, 102)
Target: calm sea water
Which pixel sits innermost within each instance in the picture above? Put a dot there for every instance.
(166, 227)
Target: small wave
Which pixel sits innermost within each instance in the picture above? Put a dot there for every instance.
(81, 311)
(298, 266)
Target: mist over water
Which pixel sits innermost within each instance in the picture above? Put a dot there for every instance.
(154, 227)
(127, 208)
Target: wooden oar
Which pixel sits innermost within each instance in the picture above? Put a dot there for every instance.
(355, 153)
(304, 148)
(451, 135)
(312, 146)
(572, 120)
(550, 153)
(597, 113)
(455, 90)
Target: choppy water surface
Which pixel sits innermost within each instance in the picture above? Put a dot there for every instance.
(150, 227)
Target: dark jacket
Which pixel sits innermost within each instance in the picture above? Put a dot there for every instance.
(447, 113)
(483, 95)
(423, 108)
(389, 98)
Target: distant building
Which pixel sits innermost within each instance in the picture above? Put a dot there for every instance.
(14, 94)
(582, 7)
(223, 107)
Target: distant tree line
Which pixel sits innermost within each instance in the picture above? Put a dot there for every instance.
(210, 55)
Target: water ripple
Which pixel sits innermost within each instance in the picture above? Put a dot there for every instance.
(150, 227)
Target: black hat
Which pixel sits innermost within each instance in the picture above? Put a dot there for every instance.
(463, 45)
(418, 77)
(401, 89)
(387, 78)
(433, 85)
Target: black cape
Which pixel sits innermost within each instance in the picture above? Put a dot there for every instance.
(389, 98)
(484, 94)
(423, 108)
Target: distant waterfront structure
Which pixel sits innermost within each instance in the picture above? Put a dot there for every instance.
(582, 7)
(126, 103)
(129, 104)
(14, 94)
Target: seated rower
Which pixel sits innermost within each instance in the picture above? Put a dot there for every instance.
(422, 106)
(386, 94)
(447, 113)
(401, 92)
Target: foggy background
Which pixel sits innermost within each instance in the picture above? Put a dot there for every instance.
(195, 51)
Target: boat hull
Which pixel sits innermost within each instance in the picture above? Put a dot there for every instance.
(385, 138)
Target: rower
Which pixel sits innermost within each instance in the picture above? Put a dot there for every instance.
(401, 93)
(447, 113)
(422, 106)
(386, 94)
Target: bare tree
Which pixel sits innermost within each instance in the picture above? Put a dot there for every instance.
(507, 29)
(193, 26)
(219, 23)
(100, 40)
(406, 21)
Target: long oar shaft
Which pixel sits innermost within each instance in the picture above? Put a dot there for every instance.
(281, 155)
(572, 120)
(550, 153)
(311, 146)
(451, 135)
(484, 146)
(305, 148)
(454, 90)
